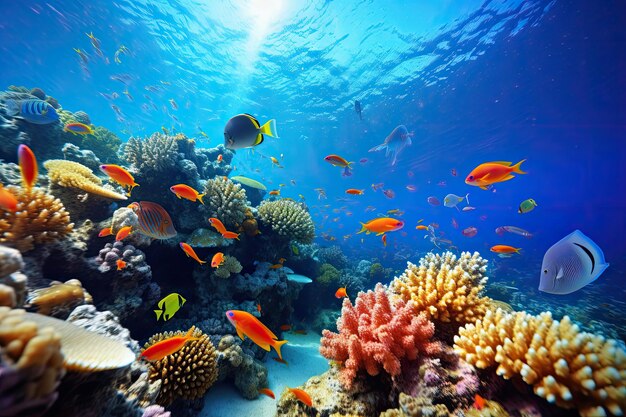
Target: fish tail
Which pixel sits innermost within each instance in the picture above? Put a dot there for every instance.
(158, 314)
(13, 107)
(277, 345)
(363, 228)
(516, 167)
(269, 128)
(517, 250)
(200, 198)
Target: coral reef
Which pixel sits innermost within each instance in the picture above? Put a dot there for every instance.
(334, 256)
(329, 275)
(376, 334)
(31, 364)
(12, 281)
(448, 288)
(249, 375)
(74, 175)
(230, 266)
(287, 219)
(84, 157)
(226, 201)
(417, 407)
(59, 299)
(564, 365)
(151, 155)
(187, 373)
(40, 218)
(206, 238)
(103, 143)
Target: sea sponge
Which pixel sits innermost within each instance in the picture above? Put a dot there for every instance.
(189, 372)
(226, 201)
(31, 361)
(564, 365)
(288, 219)
(230, 266)
(377, 334)
(75, 175)
(59, 298)
(40, 218)
(329, 275)
(447, 288)
(151, 155)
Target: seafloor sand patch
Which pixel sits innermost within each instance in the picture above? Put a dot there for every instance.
(302, 354)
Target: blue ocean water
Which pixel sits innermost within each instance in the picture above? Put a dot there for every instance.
(474, 80)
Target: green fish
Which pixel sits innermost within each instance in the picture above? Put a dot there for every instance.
(169, 305)
(295, 250)
(526, 206)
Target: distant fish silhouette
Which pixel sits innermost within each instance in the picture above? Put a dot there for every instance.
(357, 109)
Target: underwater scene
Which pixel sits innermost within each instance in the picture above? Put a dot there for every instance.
(287, 208)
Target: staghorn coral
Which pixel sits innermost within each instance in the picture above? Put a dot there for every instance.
(31, 364)
(74, 175)
(151, 155)
(59, 299)
(187, 373)
(447, 288)
(226, 201)
(564, 365)
(230, 266)
(40, 218)
(288, 219)
(376, 334)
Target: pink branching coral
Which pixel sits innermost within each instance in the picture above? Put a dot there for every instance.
(377, 334)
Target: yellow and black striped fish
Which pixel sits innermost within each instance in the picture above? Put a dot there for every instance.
(154, 220)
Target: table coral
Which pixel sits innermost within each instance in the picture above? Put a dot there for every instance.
(288, 220)
(376, 334)
(40, 218)
(446, 287)
(226, 201)
(187, 373)
(74, 175)
(564, 365)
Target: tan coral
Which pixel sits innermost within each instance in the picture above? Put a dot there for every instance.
(230, 266)
(59, 297)
(39, 218)
(74, 175)
(288, 219)
(189, 372)
(564, 365)
(226, 201)
(448, 288)
(417, 407)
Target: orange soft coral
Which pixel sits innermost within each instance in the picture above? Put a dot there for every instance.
(376, 334)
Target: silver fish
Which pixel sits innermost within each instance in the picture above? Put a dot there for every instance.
(570, 264)
(452, 200)
(395, 143)
(515, 230)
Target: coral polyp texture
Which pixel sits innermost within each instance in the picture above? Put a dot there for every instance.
(59, 298)
(187, 373)
(565, 366)
(230, 266)
(150, 155)
(31, 364)
(448, 288)
(74, 175)
(226, 201)
(377, 334)
(287, 219)
(39, 218)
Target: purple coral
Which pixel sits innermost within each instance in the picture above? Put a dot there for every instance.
(155, 411)
(134, 258)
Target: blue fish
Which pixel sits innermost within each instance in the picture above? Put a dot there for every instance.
(33, 111)
(395, 143)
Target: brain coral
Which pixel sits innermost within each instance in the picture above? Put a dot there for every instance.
(447, 288)
(288, 219)
(150, 155)
(377, 334)
(564, 365)
(186, 374)
(230, 266)
(72, 174)
(39, 218)
(226, 201)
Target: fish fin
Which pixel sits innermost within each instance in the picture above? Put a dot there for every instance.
(482, 187)
(269, 128)
(13, 107)
(505, 163)
(517, 167)
(381, 233)
(484, 177)
(181, 300)
(560, 274)
(378, 148)
(508, 177)
(200, 196)
(363, 229)
(277, 345)
(178, 195)
(259, 140)
(240, 333)
(158, 314)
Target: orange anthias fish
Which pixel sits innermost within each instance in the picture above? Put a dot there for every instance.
(492, 172)
(276, 266)
(381, 225)
(248, 325)
(107, 231)
(120, 264)
(302, 396)
(504, 249)
(258, 307)
(219, 158)
(285, 327)
(190, 252)
(28, 166)
(168, 346)
(384, 239)
(275, 192)
(218, 225)
(123, 233)
(338, 161)
(268, 392)
(421, 227)
(341, 292)
(230, 235)
(185, 191)
(120, 176)
(8, 201)
(218, 260)
(479, 402)
(354, 191)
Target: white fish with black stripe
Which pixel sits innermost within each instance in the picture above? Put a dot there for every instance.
(570, 264)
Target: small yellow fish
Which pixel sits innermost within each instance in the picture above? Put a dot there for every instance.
(169, 305)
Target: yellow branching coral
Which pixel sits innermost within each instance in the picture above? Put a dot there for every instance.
(446, 287)
(186, 374)
(564, 365)
(39, 218)
(59, 297)
(288, 219)
(74, 175)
